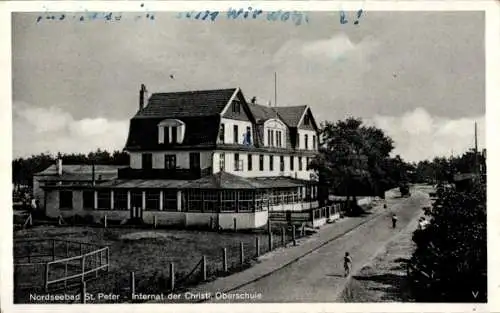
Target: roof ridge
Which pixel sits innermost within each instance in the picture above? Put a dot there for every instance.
(193, 91)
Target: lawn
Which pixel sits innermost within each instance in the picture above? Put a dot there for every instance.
(148, 253)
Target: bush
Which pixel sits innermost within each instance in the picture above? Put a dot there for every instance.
(450, 261)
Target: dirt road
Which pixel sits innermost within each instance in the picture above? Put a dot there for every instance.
(318, 277)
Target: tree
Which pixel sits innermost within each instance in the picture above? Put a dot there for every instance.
(354, 159)
(449, 263)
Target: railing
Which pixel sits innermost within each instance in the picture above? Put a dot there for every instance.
(99, 255)
(178, 173)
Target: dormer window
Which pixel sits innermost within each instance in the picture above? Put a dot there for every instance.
(236, 107)
(306, 119)
(171, 131)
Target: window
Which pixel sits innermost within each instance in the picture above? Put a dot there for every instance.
(269, 135)
(248, 136)
(104, 200)
(66, 199)
(282, 163)
(271, 161)
(194, 198)
(245, 200)
(306, 119)
(300, 163)
(174, 134)
(305, 141)
(298, 141)
(314, 142)
(272, 138)
(278, 137)
(147, 161)
(222, 159)
(235, 134)
(170, 200)
(153, 200)
(291, 163)
(166, 134)
(237, 165)
(228, 201)
(221, 133)
(235, 107)
(261, 162)
(307, 163)
(120, 200)
(88, 199)
(249, 162)
(210, 201)
(170, 161)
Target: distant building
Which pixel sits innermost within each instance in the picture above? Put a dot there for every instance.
(200, 157)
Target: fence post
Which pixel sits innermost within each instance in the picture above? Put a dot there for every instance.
(105, 221)
(257, 246)
(211, 222)
(65, 274)
(204, 268)
(81, 248)
(268, 226)
(67, 249)
(107, 258)
(283, 237)
(132, 285)
(154, 221)
(83, 292)
(303, 231)
(83, 268)
(224, 260)
(172, 276)
(270, 241)
(293, 235)
(29, 252)
(46, 282)
(30, 220)
(242, 255)
(234, 224)
(53, 249)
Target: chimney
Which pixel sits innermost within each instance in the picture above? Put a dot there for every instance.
(143, 95)
(59, 166)
(254, 99)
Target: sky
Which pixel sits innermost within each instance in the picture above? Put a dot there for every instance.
(419, 76)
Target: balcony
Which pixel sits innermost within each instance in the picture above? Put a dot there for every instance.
(178, 173)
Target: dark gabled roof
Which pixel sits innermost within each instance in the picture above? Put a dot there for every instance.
(262, 113)
(79, 172)
(223, 180)
(143, 183)
(187, 103)
(291, 115)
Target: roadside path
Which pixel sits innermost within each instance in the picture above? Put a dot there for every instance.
(313, 271)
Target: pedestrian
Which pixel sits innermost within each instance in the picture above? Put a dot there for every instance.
(394, 220)
(347, 264)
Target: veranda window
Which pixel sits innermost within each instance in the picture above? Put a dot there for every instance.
(245, 200)
(120, 200)
(66, 199)
(88, 199)
(228, 201)
(194, 200)
(153, 200)
(104, 200)
(169, 200)
(211, 201)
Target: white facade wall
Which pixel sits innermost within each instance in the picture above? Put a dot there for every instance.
(229, 130)
(302, 142)
(274, 125)
(182, 159)
(256, 172)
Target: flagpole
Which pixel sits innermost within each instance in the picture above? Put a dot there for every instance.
(275, 90)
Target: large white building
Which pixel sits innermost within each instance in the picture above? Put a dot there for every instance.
(203, 158)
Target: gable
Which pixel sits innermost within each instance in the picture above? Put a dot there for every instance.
(237, 108)
(307, 122)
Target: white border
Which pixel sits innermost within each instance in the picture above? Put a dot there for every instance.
(492, 40)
